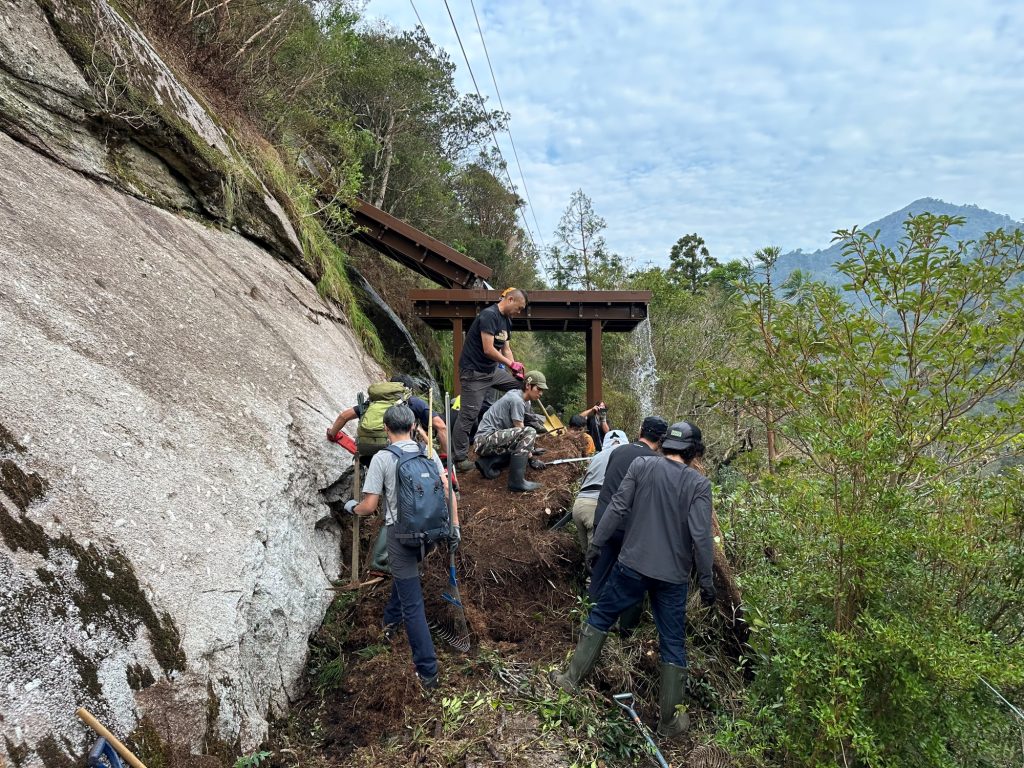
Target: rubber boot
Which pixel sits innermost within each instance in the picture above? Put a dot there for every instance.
(516, 475)
(672, 722)
(379, 558)
(486, 466)
(588, 649)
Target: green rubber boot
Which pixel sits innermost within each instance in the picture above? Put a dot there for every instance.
(379, 558)
(588, 649)
(672, 722)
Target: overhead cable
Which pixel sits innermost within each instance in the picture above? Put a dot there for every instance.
(490, 125)
(515, 154)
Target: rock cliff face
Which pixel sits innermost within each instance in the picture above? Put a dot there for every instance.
(164, 388)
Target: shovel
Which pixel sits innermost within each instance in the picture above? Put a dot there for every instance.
(625, 700)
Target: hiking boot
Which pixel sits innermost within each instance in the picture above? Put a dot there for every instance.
(464, 465)
(391, 632)
(672, 722)
(486, 466)
(588, 649)
(517, 475)
(428, 683)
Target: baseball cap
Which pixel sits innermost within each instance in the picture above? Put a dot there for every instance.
(613, 438)
(536, 377)
(653, 428)
(681, 435)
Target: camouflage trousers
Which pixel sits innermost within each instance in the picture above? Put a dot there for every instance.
(518, 441)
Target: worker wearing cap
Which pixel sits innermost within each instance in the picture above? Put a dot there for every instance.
(590, 488)
(666, 508)
(652, 430)
(503, 431)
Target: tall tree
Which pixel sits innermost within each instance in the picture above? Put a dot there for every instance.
(690, 263)
(580, 258)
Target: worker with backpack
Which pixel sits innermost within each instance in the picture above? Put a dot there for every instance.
(416, 519)
(370, 413)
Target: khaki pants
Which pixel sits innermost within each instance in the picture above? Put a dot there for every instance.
(583, 515)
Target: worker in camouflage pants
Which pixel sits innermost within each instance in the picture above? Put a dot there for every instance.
(503, 431)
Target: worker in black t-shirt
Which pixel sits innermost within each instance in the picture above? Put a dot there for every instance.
(486, 362)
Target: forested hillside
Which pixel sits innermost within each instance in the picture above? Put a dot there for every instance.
(820, 264)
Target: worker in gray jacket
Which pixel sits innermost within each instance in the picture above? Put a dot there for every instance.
(666, 507)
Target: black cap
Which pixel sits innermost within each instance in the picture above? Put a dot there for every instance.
(653, 428)
(681, 435)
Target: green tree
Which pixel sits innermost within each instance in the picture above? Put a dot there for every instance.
(690, 263)
(895, 559)
(400, 89)
(726, 277)
(580, 258)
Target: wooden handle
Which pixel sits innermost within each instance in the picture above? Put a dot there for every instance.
(86, 717)
(356, 492)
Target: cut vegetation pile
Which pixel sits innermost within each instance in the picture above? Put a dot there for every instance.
(521, 584)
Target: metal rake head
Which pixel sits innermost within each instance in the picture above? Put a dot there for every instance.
(450, 636)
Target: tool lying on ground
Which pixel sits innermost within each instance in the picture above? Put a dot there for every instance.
(561, 522)
(457, 634)
(625, 700)
(102, 755)
(556, 462)
(552, 424)
(87, 717)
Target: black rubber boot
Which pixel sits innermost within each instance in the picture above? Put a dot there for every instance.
(583, 660)
(672, 722)
(517, 475)
(486, 466)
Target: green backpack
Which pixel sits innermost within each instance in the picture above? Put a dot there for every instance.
(371, 434)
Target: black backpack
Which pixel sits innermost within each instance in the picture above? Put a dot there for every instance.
(422, 516)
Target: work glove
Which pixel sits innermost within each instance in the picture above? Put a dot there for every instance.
(537, 464)
(708, 596)
(518, 370)
(350, 506)
(454, 538)
(592, 554)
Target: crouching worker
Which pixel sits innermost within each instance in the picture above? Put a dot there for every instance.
(666, 508)
(503, 431)
(586, 501)
(416, 516)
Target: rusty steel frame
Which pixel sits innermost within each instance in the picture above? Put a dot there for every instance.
(415, 249)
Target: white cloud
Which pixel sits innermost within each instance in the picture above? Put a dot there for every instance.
(749, 123)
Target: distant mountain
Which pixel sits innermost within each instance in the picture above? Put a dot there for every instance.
(819, 264)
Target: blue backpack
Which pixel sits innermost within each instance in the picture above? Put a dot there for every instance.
(422, 517)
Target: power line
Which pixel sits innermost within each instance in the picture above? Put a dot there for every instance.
(417, 15)
(515, 154)
(490, 126)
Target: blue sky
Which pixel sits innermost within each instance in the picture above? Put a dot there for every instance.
(750, 123)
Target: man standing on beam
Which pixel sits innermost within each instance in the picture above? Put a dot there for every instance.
(487, 345)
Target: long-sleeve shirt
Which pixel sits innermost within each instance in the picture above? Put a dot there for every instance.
(619, 462)
(666, 509)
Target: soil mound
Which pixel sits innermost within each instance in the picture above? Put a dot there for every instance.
(518, 581)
